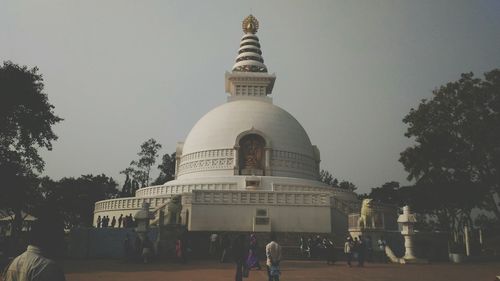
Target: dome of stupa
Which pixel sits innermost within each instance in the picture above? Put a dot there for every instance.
(221, 127)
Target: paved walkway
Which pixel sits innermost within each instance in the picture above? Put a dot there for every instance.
(106, 270)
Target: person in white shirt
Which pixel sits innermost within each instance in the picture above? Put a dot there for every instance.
(33, 264)
(214, 239)
(273, 254)
(348, 250)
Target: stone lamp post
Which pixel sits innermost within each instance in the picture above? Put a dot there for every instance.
(407, 220)
(142, 218)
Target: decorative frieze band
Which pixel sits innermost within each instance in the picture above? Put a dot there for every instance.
(289, 187)
(299, 163)
(183, 188)
(213, 153)
(260, 198)
(223, 159)
(215, 159)
(230, 196)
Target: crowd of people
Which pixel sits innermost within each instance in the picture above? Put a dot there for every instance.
(122, 221)
(359, 248)
(317, 247)
(143, 250)
(246, 252)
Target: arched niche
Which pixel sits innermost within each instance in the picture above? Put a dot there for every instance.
(252, 155)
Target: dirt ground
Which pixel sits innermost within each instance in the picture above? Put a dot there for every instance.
(107, 270)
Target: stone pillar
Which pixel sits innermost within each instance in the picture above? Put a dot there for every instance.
(142, 218)
(177, 163)
(407, 221)
(236, 159)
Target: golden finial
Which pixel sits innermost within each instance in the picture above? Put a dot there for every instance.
(250, 24)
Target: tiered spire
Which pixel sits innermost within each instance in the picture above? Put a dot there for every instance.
(249, 78)
(249, 57)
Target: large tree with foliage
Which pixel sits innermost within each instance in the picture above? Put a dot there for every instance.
(138, 174)
(26, 121)
(455, 161)
(147, 157)
(328, 178)
(388, 193)
(167, 169)
(74, 198)
(347, 185)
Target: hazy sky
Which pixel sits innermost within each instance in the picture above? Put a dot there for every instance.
(120, 72)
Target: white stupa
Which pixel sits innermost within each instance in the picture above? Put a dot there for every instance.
(247, 165)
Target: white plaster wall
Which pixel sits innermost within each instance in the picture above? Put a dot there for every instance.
(239, 218)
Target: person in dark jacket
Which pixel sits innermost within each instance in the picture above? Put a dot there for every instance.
(329, 251)
(226, 244)
(239, 252)
(361, 250)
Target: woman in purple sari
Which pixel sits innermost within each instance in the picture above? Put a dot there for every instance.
(253, 259)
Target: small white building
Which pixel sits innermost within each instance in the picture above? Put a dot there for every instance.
(247, 165)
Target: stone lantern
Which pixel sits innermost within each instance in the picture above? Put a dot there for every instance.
(142, 218)
(407, 221)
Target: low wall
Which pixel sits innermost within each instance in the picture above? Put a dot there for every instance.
(101, 242)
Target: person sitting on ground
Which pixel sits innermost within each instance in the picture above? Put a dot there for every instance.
(34, 264)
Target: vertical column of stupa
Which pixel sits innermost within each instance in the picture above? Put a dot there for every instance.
(249, 78)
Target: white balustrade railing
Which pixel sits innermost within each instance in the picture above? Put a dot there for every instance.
(183, 188)
(229, 196)
(128, 203)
